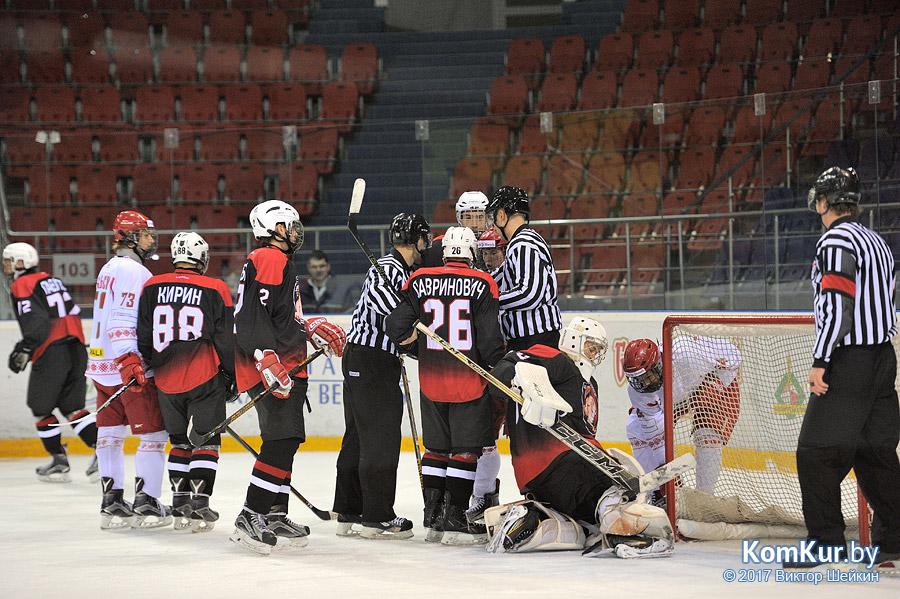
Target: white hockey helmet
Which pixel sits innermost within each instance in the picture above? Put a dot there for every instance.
(189, 246)
(471, 204)
(19, 252)
(266, 215)
(584, 341)
(459, 244)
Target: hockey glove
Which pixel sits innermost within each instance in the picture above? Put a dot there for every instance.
(131, 366)
(19, 357)
(231, 388)
(541, 404)
(324, 335)
(273, 372)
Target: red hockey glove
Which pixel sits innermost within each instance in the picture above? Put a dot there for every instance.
(273, 372)
(131, 366)
(324, 335)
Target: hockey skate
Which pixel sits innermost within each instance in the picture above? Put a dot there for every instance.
(182, 510)
(149, 512)
(203, 518)
(348, 525)
(93, 470)
(630, 547)
(115, 512)
(458, 530)
(434, 514)
(517, 525)
(290, 535)
(251, 532)
(475, 513)
(57, 471)
(398, 528)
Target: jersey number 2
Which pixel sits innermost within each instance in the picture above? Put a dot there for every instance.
(459, 327)
(188, 327)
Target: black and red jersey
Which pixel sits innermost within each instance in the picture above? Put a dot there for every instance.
(268, 314)
(45, 311)
(185, 329)
(534, 449)
(459, 304)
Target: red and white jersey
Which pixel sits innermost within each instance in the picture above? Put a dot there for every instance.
(694, 357)
(114, 331)
(648, 404)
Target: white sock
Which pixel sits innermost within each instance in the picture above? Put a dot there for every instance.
(150, 461)
(486, 472)
(110, 453)
(709, 458)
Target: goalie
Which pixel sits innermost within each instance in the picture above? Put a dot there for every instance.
(572, 500)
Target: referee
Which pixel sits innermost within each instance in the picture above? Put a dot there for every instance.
(373, 404)
(852, 420)
(527, 279)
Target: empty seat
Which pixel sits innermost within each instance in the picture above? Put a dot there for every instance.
(762, 12)
(243, 183)
(615, 52)
(823, 38)
(14, 104)
(524, 172)
(655, 49)
(220, 145)
(208, 5)
(154, 103)
(847, 8)
(558, 92)
(619, 130)
(564, 175)
(133, 65)
(773, 78)
(444, 212)
(221, 64)
(863, 32)
(705, 126)
(553, 209)
(488, 138)
(680, 14)
(471, 173)
(826, 127)
(724, 81)
(249, 5)
(309, 67)
(263, 145)
(340, 101)
(118, 146)
(567, 54)
(722, 13)
(731, 156)
(287, 102)
(681, 85)
(55, 104)
(359, 64)
(45, 66)
(648, 171)
(97, 184)
(861, 73)
(227, 27)
(640, 15)
(778, 42)
(23, 149)
(115, 5)
(578, 132)
(184, 27)
(803, 12)
(605, 173)
(585, 207)
(533, 140)
(525, 57)
(319, 144)
(298, 185)
(129, 29)
(89, 65)
(243, 102)
(737, 45)
(83, 218)
(639, 87)
(30, 219)
(199, 103)
(197, 183)
(182, 152)
(679, 203)
(85, 29)
(101, 103)
(177, 64)
(151, 184)
(42, 30)
(265, 64)
(747, 125)
(812, 74)
(9, 31)
(50, 184)
(669, 134)
(696, 47)
(508, 95)
(75, 146)
(269, 27)
(9, 66)
(598, 91)
(697, 168)
(222, 217)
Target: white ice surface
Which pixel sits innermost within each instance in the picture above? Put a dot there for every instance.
(52, 546)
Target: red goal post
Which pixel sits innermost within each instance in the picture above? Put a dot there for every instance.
(756, 493)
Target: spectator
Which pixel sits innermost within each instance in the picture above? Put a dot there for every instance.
(322, 292)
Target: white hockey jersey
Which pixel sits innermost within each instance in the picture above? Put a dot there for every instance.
(114, 330)
(694, 357)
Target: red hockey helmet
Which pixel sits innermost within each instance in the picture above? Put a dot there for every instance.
(643, 365)
(128, 227)
(491, 248)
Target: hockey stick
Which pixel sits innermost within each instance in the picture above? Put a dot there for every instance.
(106, 403)
(322, 514)
(197, 439)
(599, 458)
(359, 190)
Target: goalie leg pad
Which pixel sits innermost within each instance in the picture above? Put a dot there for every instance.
(532, 526)
(643, 530)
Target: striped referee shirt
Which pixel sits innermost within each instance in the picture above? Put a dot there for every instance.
(377, 300)
(853, 280)
(528, 288)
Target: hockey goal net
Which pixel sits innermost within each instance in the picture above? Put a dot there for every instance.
(756, 492)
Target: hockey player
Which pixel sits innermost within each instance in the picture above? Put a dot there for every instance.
(645, 428)
(270, 339)
(373, 404)
(470, 214)
(114, 359)
(460, 304)
(491, 249)
(566, 488)
(53, 340)
(185, 329)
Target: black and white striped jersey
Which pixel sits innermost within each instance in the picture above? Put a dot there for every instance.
(377, 300)
(528, 287)
(854, 283)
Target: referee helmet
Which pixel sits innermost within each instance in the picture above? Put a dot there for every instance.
(408, 228)
(838, 185)
(512, 200)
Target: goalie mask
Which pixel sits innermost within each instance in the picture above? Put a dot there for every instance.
(409, 228)
(265, 217)
(470, 211)
(584, 341)
(459, 244)
(19, 258)
(134, 228)
(642, 364)
(190, 247)
(839, 186)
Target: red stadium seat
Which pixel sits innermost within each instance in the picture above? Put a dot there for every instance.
(197, 183)
(83, 218)
(133, 65)
(731, 155)
(847, 8)
(619, 130)
(154, 103)
(696, 47)
(243, 183)
(42, 30)
(101, 104)
(813, 73)
(525, 172)
(130, 29)
(220, 145)
(697, 168)
(115, 5)
(243, 102)
(163, 6)
(178, 64)
(705, 126)
(589, 206)
(863, 32)
(309, 66)
(59, 179)
(773, 78)
(249, 5)
(23, 149)
(184, 28)
(550, 208)
(533, 140)
(86, 29)
(655, 50)
(823, 38)
(737, 46)
(76, 145)
(265, 64)
(525, 57)
(778, 42)
(359, 64)
(680, 14)
(45, 66)
(9, 66)
(221, 64)
(722, 13)
(298, 185)
(567, 55)
(30, 219)
(826, 127)
(208, 5)
(724, 81)
(287, 102)
(14, 105)
(614, 52)
(177, 218)
(488, 138)
(199, 103)
(269, 27)
(222, 217)
(578, 133)
(672, 130)
(151, 184)
(320, 145)
(444, 212)
(681, 85)
(471, 173)
(606, 173)
(639, 87)
(55, 104)
(762, 12)
(564, 175)
(183, 152)
(558, 92)
(9, 31)
(598, 91)
(340, 101)
(263, 145)
(648, 171)
(803, 12)
(678, 203)
(118, 146)
(97, 184)
(640, 15)
(297, 10)
(89, 65)
(227, 27)
(747, 125)
(861, 73)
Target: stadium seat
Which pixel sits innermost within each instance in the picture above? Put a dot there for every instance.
(151, 184)
(221, 64)
(696, 47)
(177, 64)
(177, 218)
(309, 67)
(221, 217)
(578, 133)
(847, 8)
(133, 65)
(85, 29)
(762, 12)
(30, 219)
(639, 87)
(297, 11)
(96, 184)
(15, 104)
(45, 66)
(183, 152)
(249, 5)
(585, 207)
(676, 203)
(524, 172)
(320, 145)
(154, 103)
(159, 9)
(863, 32)
(737, 46)
(184, 27)
(243, 102)
(129, 29)
(265, 65)
(773, 78)
(615, 52)
(89, 65)
(558, 92)
(23, 149)
(731, 155)
(826, 128)
(697, 168)
(680, 14)
(823, 38)
(640, 15)
(197, 183)
(101, 104)
(269, 27)
(672, 130)
(812, 74)
(619, 130)
(525, 57)
(287, 102)
(41, 30)
(115, 5)
(705, 126)
(722, 13)
(747, 125)
(655, 50)
(564, 175)
(243, 183)
(83, 218)
(444, 212)
(598, 90)
(508, 96)
(682, 84)
(227, 27)
(298, 185)
(199, 103)
(50, 184)
(778, 42)
(118, 146)
(9, 31)
(724, 81)
(208, 5)
(9, 66)
(603, 266)
(648, 171)
(488, 138)
(471, 173)
(220, 145)
(605, 174)
(567, 55)
(340, 101)
(533, 140)
(55, 104)
(263, 144)
(860, 75)
(75, 146)
(549, 208)
(359, 64)
(802, 13)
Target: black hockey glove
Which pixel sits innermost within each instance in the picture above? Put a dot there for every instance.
(231, 388)
(19, 357)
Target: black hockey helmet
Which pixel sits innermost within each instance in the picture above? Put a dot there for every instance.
(511, 199)
(408, 228)
(838, 185)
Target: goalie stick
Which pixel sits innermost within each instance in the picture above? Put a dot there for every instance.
(106, 403)
(322, 514)
(197, 439)
(359, 190)
(599, 458)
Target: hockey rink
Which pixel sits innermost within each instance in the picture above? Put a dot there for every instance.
(53, 547)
